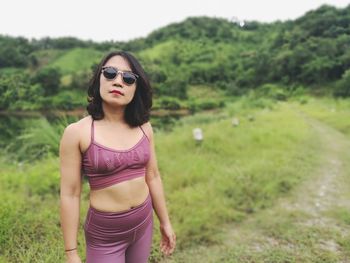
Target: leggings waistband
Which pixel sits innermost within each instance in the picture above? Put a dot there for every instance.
(105, 225)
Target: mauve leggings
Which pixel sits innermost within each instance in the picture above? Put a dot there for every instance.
(118, 237)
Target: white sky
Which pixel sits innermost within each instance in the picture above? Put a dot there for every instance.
(124, 20)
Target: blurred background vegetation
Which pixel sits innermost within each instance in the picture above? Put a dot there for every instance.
(204, 71)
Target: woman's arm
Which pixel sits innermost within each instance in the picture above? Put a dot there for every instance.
(70, 188)
(155, 185)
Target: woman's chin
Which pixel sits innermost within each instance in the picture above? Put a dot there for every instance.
(115, 103)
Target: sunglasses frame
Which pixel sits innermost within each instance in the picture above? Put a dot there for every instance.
(120, 72)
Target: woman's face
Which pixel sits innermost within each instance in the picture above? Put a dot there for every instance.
(109, 88)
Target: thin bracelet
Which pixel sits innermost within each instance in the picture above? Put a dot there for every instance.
(70, 249)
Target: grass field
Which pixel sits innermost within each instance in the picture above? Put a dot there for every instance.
(236, 172)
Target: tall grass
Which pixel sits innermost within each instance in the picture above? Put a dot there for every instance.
(40, 138)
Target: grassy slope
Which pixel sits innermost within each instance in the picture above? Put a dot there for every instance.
(76, 60)
(47, 56)
(333, 112)
(235, 172)
(294, 231)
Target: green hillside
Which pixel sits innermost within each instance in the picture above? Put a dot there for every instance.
(309, 53)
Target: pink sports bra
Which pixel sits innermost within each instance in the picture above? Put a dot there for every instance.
(104, 166)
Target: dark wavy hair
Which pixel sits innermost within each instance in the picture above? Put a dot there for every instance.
(137, 112)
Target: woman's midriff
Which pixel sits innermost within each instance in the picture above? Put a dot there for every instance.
(121, 196)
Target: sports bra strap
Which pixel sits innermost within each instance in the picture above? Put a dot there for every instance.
(92, 131)
(143, 132)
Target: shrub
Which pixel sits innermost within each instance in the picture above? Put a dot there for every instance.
(195, 105)
(169, 103)
(343, 85)
(68, 100)
(49, 78)
(272, 91)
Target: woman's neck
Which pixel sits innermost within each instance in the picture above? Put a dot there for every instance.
(113, 114)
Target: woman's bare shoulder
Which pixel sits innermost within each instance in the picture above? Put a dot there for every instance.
(86, 121)
(78, 128)
(147, 127)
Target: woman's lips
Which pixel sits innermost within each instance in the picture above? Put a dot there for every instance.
(117, 92)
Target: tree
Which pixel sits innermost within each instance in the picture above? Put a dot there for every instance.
(49, 79)
(17, 92)
(343, 85)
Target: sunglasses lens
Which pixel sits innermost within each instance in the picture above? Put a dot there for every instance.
(129, 78)
(109, 73)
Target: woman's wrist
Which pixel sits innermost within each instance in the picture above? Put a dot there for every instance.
(165, 223)
(164, 220)
(70, 249)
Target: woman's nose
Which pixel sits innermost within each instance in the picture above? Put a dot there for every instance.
(119, 79)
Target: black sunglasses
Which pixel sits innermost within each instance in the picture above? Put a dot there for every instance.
(111, 73)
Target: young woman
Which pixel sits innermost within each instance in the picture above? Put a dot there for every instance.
(114, 148)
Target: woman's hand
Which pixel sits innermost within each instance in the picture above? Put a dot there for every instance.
(73, 257)
(168, 242)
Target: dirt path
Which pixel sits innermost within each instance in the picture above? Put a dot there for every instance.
(329, 186)
(304, 227)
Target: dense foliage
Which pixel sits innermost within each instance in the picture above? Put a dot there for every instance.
(312, 51)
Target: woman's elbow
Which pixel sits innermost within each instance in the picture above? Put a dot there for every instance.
(70, 191)
(152, 175)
